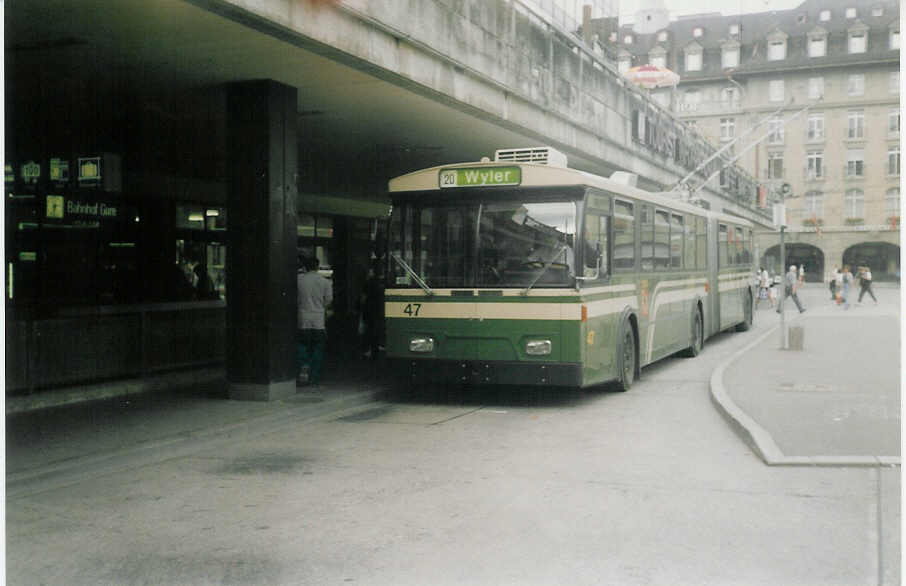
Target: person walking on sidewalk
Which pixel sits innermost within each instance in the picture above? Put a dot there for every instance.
(847, 284)
(832, 283)
(791, 283)
(313, 297)
(865, 274)
(764, 287)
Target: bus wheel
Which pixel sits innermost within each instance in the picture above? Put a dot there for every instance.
(627, 359)
(697, 335)
(746, 323)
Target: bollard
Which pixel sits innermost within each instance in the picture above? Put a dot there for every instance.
(797, 338)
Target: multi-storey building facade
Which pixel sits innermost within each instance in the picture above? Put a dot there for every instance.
(817, 87)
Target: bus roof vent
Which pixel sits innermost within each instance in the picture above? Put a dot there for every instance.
(539, 155)
(630, 179)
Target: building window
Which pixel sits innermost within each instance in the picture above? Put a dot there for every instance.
(623, 64)
(854, 204)
(658, 60)
(893, 82)
(855, 84)
(727, 128)
(824, 15)
(815, 127)
(775, 166)
(893, 122)
(855, 124)
(776, 50)
(734, 29)
(813, 205)
(858, 41)
(729, 57)
(694, 61)
(877, 11)
(662, 36)
(627, 40)
(697, 32)
(814, 165)
(776, 90)
(892, 201)
(850, 13)
(691, 100)
(775, 130)
(894, 42)
(817, 46)
(893, 161)
(855, 163)
(815, 88)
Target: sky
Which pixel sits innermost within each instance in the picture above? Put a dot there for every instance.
(726, 7)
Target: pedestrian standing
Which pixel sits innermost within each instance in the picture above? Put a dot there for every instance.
(865, 274)
(314, 296)
(791, 283)
(838, 279)
(801, 274)
(832, 283)
(764, 287)
(847, 284)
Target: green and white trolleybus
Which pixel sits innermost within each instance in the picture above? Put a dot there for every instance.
(523, 271)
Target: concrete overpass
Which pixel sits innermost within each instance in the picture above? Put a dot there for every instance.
(385, 87)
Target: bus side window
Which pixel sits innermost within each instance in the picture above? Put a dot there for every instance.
(689, 249)
(647, 228)
(597, 228)
(676, 241)
(701, 243)
(604, 248)
(623, 236)
(661, 239)
(723, 257)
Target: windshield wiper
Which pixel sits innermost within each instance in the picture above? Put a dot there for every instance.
(413, 274)
(544, 269)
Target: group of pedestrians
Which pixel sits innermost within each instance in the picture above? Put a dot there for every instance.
(841, 282)
(792, 280)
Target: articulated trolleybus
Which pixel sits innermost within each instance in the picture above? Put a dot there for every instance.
(523, 271)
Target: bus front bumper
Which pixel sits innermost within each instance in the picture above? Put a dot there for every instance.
(486, 372)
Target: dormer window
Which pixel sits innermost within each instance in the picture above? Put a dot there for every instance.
(824, 15)
(657, 57)
(858, 39)
(850, 12)
(662, 37)
(697, 32)
(877, 11)
(627, 40)
(734, 29)
(729, 55)
(693, 54)
(777, 46)
(817, 43)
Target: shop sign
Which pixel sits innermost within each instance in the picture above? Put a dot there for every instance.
(59, 170)
(31, 172)
(28, 256)
(55, 206)
(89, 170)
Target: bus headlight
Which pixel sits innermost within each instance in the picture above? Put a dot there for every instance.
(421, 344)
(538, 347)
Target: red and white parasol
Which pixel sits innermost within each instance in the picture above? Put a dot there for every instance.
(652, 76)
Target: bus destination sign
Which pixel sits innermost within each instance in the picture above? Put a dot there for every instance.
(480, 177)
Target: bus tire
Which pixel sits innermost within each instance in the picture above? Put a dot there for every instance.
(746, 323)
(696, 335)
(627, 358)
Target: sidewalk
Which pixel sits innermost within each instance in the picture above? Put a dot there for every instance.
(837, 401)
(44, 446)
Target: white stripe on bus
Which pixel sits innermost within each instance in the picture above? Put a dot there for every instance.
(669, 297)
(514, 292)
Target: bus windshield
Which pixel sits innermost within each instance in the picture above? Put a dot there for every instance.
(485, 244)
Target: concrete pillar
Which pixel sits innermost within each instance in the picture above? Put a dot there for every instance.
(261, 269)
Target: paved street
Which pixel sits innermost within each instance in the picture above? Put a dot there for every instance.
(492, 486)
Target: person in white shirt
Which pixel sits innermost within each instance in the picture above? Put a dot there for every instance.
(314, 294)
(834, 282)
(764, 285)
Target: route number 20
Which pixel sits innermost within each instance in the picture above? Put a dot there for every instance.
(412, 309)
